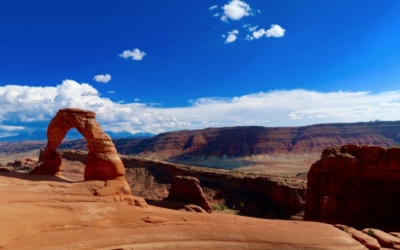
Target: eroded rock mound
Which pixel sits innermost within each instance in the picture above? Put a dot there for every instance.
(102, 162)
(355, 185)
(188, 189)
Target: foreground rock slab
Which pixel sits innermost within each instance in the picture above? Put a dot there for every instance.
(49, 212)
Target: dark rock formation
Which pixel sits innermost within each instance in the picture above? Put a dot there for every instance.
(188, 189)
(355, 185)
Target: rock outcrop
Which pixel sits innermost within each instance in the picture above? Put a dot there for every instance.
(49, 212)
(102, 162)
(188, 189)
(356, 185)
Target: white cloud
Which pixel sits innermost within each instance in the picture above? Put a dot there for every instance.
(11, 128)
(251, 29)
(137, 99)
(232, 36)
(259, 33)
(102, 78)
(216, 15)
(111, 92)
(24, 104)
(275, 31)
(135, 54)
(236, 10)
(213, 7)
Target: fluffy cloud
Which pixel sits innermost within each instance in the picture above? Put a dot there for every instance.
(102, 78)
(232, 36)
(274, 31)
(135, 54)
(235, 10)
(213, 7)
(22, 105)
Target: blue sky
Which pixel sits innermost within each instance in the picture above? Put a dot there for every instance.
(167, 65)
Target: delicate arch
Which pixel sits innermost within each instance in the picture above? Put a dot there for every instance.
(103, 161)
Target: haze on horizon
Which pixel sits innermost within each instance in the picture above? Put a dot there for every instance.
(164, 66)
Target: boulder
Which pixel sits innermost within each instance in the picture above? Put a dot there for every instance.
(188, 189)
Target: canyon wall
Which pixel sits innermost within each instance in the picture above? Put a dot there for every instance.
(256, 195)
(216, 147)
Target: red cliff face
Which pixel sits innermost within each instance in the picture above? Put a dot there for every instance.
(251, 141)
(357, 186)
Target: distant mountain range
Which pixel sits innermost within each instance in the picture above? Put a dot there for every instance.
(73, 134)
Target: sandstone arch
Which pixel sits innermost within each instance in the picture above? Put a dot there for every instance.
(103, 161)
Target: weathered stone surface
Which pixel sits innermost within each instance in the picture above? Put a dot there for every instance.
(355, 185)
(365, 239)
(395, 234)
(188, 189)
(385, 239)
(49, 212)
(102, 161)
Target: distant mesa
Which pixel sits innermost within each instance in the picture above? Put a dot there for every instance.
(102, 162)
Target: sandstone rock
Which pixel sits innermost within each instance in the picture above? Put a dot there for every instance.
(176, 205)
(102, 163)
(365, 239)
(395, 234)
(385, 239)
(5, 169)
(355, 185)
(188, 189)
(256, 195)
(49, 212)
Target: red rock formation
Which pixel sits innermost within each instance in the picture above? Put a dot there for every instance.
(384, 239)
(102, 163)
(47, 212)
(188, 189)
(355, 185)
(185, 145)
(365, 239)
(257, 195)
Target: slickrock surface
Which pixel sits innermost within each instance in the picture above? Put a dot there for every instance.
(365, 239)
(102, 161)
(356, 185)
(48, 212)
(188, 189)
(385, 239)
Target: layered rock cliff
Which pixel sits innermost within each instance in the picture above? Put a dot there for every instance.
(217, 146)
(357, 186)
